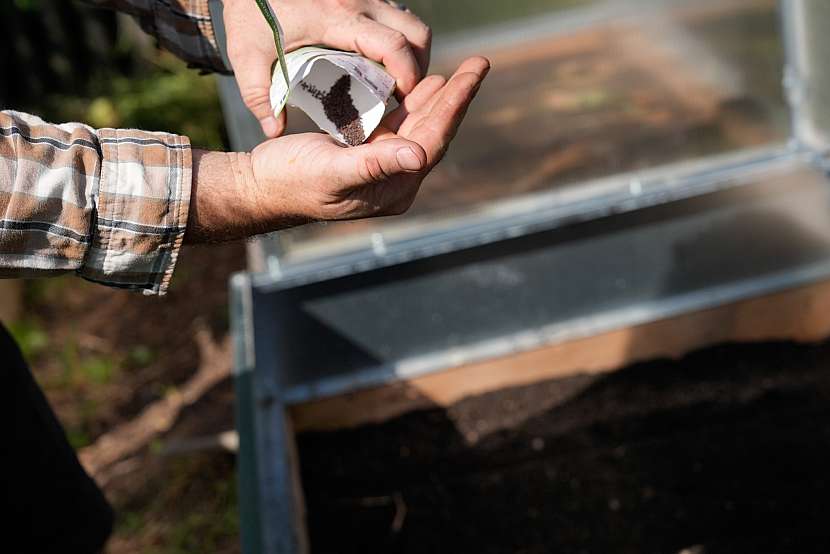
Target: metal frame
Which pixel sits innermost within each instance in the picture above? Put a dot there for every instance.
(618, 248)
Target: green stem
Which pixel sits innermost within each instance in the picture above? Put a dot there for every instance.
(271, 19)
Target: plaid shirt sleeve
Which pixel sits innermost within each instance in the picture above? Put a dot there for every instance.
(109, 204)
(184, 27)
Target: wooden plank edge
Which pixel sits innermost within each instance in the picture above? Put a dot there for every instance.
(801, 315)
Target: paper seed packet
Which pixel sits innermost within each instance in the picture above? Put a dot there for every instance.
(344, 93)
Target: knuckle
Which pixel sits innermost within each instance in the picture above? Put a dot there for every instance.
(447, 106)
(397, 41)
(459, 98)
(436, 81)
(371, 170)
(256, 98)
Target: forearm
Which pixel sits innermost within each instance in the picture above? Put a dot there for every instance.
(109, 204)
(47, 181)
(227, 203)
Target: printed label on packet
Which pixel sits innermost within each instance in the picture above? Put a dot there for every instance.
(344, 93)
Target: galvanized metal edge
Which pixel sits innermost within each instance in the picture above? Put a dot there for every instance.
(550, 210)
(557, 333)
(245, 413)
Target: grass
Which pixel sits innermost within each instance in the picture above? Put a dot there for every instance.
(215, 521)
(141, 356)
(203, 497)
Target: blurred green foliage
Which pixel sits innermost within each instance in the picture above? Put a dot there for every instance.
(30, 336)
(26, 4)
(81, 369)
(44, 291)
(141, 356)
(72, 62)
(167, 98)
(77, 438)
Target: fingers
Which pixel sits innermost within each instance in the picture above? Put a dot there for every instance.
(251, 57)
(476, 65)
(253, 75)
(414, 101)
(381, 44)
(416, 31)
(446, 110)
(439, 127)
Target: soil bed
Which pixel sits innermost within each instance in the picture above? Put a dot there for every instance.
(724, 451)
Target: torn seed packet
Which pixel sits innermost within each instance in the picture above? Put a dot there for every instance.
(344, 93)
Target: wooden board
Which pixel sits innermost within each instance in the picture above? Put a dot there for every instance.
(801, 315)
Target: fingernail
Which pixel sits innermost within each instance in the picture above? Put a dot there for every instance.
(409, 159)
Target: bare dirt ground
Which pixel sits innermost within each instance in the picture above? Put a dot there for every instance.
(10, 300)
(128, 375)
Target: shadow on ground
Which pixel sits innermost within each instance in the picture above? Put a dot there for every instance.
(726, 450)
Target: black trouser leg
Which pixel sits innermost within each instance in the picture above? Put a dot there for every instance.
(51, 504)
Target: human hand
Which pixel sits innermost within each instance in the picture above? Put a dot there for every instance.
(373, 28)
(311, 177)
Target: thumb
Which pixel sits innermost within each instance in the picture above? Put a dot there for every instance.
(380, 160)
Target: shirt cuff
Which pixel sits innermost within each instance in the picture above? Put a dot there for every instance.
(141, 209)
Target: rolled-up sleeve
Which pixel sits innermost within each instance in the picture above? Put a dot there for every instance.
(184, 27)
(109, 204)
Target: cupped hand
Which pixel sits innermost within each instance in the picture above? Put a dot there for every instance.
(374, 28)
(312, 177)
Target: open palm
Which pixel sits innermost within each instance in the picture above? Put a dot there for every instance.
(323, 180)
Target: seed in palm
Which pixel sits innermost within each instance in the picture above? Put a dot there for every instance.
(339, 108)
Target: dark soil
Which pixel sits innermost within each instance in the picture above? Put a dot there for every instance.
(339, 108)
(727, 450)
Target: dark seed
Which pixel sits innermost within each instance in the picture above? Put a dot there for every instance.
(339, 108)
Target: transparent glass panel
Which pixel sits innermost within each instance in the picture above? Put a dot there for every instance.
(584, 89)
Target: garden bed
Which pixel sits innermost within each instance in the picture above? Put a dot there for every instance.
(725, 450)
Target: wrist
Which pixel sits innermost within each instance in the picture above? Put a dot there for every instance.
(228, 203)
(219, 207)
